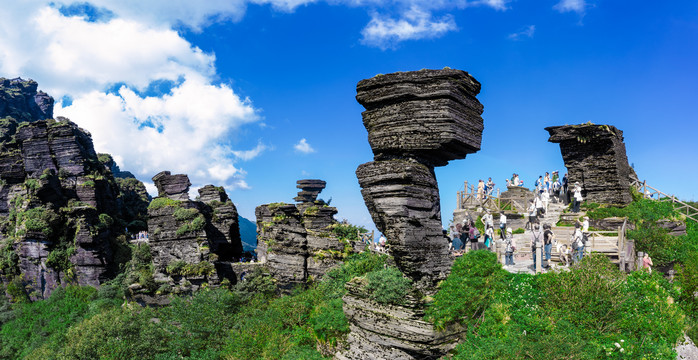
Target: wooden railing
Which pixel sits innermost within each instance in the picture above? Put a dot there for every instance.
(651, 193)
(493, 201)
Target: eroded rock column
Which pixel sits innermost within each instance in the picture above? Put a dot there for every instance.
(416, 121)
(595, 157)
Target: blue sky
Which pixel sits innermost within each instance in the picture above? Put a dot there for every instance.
(254, 95)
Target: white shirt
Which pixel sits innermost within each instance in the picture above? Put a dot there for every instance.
(502, 219)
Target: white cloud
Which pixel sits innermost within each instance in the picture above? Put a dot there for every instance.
(414, 24)
(304, 147)
(578, 6)
(250, 154)
(527, 32)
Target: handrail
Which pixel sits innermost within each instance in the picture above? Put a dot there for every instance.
(690, 211)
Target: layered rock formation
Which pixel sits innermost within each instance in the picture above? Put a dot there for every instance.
(60, 205)
(192, 242)
(595, 157)
(302, 241)
(415, 121)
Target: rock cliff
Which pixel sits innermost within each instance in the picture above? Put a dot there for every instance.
(60, 206)
(595, 157)
(302, 241)
(192, 242)
(415, 121)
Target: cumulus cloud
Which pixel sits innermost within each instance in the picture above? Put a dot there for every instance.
(303, 147)
(578, 6)
(414, 24)
(527, 32)
(250, 154)
(105, 64)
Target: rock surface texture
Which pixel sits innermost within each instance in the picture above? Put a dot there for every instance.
(415, 121)
(595, 157)
(301, 241)
(60, 205)
(192, 242)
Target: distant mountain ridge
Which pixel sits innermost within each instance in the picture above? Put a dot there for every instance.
(248, 234)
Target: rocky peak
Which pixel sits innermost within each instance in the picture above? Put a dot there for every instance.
(20, 99)
(310, 189)
(175, 187)
(210, 193)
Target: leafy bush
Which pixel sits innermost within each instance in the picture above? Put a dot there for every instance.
(195, 225)
(179, 267)
(462, 298)
(161, 202)
(388, 286)
(44, 321)
(347, 231)
(185, 214)
(59, 259)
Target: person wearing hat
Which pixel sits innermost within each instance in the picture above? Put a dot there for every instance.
(577, 197)
(509, 248)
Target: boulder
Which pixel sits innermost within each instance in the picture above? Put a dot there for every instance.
(175, 187)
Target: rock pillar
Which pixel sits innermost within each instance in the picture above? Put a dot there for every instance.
(595, 157)
(415, 121)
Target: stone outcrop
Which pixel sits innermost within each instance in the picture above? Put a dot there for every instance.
(298, 242)
(19, 99)
(415, 121)
(59, 204)
(192, 242)
(175, 187)
(595, 157)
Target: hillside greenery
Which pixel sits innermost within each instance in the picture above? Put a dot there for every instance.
(592, 311)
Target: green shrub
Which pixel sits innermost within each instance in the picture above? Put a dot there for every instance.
(197, 224)
(182, 214)
(32, 184)
(161, 202)
(346, 231)
(176, 267)
(463, 297)
(388, 286)
(59, 259)
(518, 231)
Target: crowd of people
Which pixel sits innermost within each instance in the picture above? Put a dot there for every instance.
(141, 235)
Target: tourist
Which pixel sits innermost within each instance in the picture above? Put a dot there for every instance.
(487, 219)
(557, 187)
(565, 190)
(381, 243)
(480, 189)
(536, 241)
(578, 243)
(489, 186)
(516, 180)
(539, 183)
(556, 176)
(548, 237)
(647, 262)
(509, 249)
(540, 208)
(489, 235)
(531, 215)
(473, 235)
(647, 193)
(545, 199)
(502, 224)
(546, 181)
(457, 242)
(577, 197)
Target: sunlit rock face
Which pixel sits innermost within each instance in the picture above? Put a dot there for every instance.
(60, 204)
(415, 121)
(595, 157)
(297, 242)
